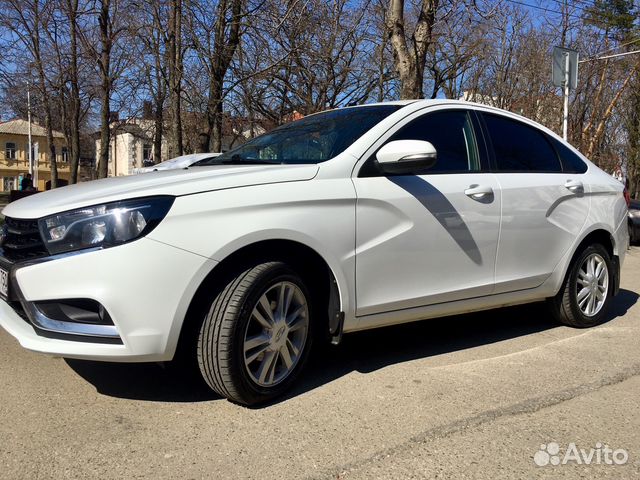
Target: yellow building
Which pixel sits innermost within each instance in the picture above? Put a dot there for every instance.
(14, 157)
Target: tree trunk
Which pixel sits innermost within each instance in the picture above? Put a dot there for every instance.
(158, 133)
(175, 79)
(595, 137)
(409, 60)
(72, 13)
(214, 115)
(50, 156)
(105, 73)
(157, 79)
(224, 49)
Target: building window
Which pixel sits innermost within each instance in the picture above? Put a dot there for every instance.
(65, 154)
(147, 154)
(10, 151)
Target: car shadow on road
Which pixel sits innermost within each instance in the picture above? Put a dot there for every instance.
(363, 352)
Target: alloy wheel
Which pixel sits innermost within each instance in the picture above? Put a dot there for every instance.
(276, 334)
(592, 285)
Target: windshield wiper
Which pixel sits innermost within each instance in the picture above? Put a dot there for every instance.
(237, 160)
(234, 160)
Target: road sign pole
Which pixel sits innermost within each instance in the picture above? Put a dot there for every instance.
(565, 118)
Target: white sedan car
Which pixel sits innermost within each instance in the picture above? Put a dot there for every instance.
(183, 161)
(345, 220)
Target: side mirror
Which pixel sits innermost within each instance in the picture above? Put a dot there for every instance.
(406, 156)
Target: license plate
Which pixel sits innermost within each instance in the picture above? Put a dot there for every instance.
(4, 283)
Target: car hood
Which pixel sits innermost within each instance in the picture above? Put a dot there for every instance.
(169, 182)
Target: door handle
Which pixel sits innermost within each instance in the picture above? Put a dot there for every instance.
(574, 186)
(479, 192)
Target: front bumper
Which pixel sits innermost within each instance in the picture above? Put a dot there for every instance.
(145, 286)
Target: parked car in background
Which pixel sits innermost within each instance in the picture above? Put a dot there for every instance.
(345, 220)
(634, 221)
(176, 163)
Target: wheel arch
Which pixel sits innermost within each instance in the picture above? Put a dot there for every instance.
(597, 234)
(321, 278)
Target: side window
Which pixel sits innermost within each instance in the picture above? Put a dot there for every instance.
(571, 163)
(450, 132)
(519, 147)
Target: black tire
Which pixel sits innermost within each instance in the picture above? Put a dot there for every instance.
(221, 339)
(564, 305)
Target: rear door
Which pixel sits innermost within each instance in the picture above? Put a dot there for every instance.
(544, 205)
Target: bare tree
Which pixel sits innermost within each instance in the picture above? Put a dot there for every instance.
(71, 12)
(410, 51)
(175, 67)
(154, 40)
(25, 19)
(215, 49)
(310, 57)
(104, 63)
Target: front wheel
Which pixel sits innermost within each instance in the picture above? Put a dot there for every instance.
(256, 336)
(588, 287)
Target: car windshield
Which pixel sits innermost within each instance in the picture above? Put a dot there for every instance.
(313, 139)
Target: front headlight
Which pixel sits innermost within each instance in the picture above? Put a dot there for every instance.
(103, 225)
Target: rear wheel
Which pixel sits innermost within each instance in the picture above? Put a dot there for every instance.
(256, 336)
(588, 287)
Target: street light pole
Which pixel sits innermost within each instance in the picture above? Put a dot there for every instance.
(29, 119)
(565, 118)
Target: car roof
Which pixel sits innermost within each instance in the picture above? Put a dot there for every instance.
(439, 101)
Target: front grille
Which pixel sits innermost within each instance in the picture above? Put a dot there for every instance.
(22, 240)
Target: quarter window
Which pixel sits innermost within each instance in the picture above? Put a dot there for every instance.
(571, 163)
(519, 147)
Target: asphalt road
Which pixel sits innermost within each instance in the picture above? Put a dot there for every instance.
(473, 396)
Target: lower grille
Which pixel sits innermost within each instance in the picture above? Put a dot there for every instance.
(17, 307)
(22, 240)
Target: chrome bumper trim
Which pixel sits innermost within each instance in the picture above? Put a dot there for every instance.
(43, 322)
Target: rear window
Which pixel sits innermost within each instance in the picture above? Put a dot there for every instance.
(519, 147)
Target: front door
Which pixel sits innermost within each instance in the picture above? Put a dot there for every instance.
(431, 237)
